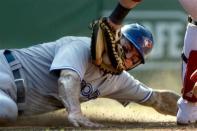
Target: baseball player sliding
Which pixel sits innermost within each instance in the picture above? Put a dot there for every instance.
(71, 70)
(187, 112)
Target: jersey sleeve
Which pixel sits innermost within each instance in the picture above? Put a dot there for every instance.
(129, 89)
(74, 55)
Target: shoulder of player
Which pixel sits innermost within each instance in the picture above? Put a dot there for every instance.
(73, 41)
(69, 39)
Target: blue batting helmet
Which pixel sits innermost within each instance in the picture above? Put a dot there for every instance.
(140, 37)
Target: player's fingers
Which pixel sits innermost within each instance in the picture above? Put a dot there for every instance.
(80, 120)
(87, 123)
(74, 122)
(92, 124)
(98, 125)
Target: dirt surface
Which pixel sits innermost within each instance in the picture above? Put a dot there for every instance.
(133, 126)
(110, 113)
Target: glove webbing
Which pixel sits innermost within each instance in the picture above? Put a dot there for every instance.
(111, 45)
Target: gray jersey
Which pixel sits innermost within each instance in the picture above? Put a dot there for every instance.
(42, 63)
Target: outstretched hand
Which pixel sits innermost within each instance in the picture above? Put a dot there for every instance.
(77, 120)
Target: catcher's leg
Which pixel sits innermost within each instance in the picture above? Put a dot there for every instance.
(187, 105)
(8, 109)
(164, 102)
(189, 66)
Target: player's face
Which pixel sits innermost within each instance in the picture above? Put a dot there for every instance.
(132, 57)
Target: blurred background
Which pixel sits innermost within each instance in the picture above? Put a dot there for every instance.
(28, 22)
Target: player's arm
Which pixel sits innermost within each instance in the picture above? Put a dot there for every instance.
(69, 91)
(121, 11)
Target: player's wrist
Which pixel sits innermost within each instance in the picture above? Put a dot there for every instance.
(113, 25)
(118, 15)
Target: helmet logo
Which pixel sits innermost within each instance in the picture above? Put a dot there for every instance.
(147, 43)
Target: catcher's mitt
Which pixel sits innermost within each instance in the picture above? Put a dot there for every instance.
(105, 39)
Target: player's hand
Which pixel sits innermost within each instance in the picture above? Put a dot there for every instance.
(77, 119)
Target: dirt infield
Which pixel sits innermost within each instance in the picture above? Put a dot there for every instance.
(108, 112)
